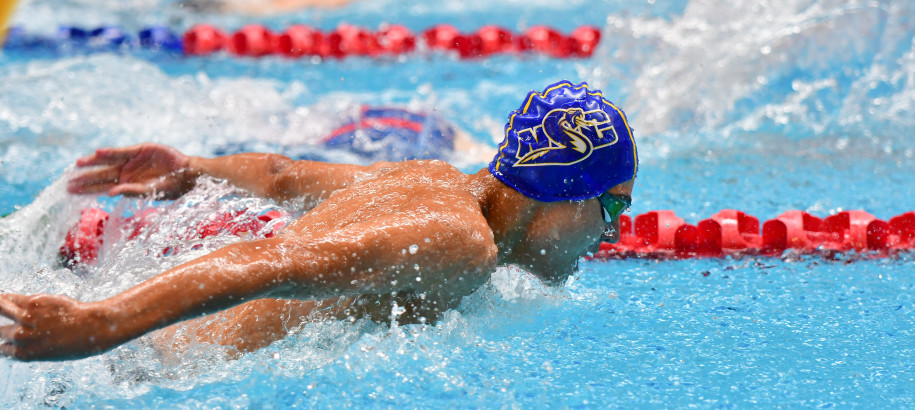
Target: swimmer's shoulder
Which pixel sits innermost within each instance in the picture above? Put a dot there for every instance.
(428, 173)
(417, 166)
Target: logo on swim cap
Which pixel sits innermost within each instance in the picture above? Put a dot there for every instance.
(566, 143)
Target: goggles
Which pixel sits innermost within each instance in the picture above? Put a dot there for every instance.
(613, 206)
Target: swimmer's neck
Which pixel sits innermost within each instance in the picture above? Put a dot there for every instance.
(507, 211)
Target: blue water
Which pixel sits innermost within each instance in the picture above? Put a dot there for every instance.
(759, 107)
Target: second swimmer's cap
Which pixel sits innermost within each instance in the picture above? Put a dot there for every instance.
(566, 143)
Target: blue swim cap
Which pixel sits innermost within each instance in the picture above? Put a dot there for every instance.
(566, 143)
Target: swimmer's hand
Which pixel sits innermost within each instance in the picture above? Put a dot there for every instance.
(140, 170)
(53, 327)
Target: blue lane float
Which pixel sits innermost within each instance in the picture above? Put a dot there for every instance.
(160, 38)
(105, 38)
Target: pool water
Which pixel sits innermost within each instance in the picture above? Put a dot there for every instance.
(758, 107)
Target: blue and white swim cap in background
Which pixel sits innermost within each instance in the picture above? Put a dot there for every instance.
(394, 134)
(566, 143)
(373, 134)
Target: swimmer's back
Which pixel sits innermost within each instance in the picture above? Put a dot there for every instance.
(435, 187)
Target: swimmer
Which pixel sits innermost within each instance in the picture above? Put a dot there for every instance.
(401, 241)
(379, 133)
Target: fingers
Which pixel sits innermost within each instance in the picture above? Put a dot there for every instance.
(94, 181)
(9, 334)
(109, 156)
(12, 350)
(10, 307)
(8, 350)
(134, 189)
(15, 348)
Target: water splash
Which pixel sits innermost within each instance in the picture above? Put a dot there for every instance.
(788, 67)
(718, 95)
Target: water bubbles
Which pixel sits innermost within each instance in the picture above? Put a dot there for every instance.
(413, 249)
(842, 143)
(543, 251)
(397, 310)
(548, 366)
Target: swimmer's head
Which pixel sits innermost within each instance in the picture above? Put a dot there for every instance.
(566, 143)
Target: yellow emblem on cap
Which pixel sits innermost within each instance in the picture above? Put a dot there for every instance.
(572, 135)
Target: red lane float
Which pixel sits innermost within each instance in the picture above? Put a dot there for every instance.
(85, 239)
(253, 41)
(203, 39)
(299, 41)
(662, 234)
(349, 40)
(584, 41)
(441, 37)
(396, 39)
(548, 41)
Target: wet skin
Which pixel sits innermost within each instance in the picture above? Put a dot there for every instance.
(420, 234)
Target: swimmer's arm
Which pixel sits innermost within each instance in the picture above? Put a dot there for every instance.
(161, 171)
(361, 260)
(278, 177)
(54, 327)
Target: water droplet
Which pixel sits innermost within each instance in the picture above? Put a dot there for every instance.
(543, 251)
(419, 279)
(397, 310)
(413, 249)
(416, 266)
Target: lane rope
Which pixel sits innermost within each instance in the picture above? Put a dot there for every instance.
(298, 41)
(662, 234)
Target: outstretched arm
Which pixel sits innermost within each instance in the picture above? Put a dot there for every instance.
(278, 177)
(363, 258)
(161, 171)
(58, 327)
